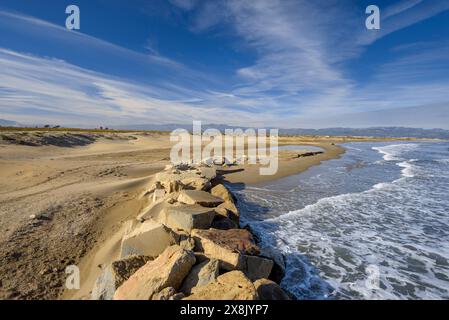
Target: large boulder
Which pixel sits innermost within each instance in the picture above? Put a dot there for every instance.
(228, 246)
(177, 180)
(222, 192)
(171, 186)
(169, 181)
(278, 270)
(168, 270)
(200, 275)
(257, 267)
(209, 173)
(229, 286)
(269, 290)
(114, 275)
(229, 210)
(149, 238)
(223, 223)
(186, 217)
(202, 198)
(196, 183)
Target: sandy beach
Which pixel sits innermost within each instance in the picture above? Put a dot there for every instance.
(57, 202)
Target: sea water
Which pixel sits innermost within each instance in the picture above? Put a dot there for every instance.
(373, 224)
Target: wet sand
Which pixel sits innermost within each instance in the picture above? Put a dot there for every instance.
(289, 164)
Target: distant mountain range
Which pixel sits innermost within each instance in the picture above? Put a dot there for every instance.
(8, 123)
(394, 132)
(423, 116)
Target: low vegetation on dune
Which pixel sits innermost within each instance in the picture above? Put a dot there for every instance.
(64, 137)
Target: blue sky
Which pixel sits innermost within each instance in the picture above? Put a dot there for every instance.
(278, 63)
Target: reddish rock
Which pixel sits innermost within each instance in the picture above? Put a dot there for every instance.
(228, 246)
(168, 270)
(229, 286)
(202, 198)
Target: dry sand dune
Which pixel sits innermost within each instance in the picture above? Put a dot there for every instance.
(55, 203)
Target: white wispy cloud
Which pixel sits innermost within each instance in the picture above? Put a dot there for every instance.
(402, 15)
(399, 7)
(299, 73)
(40, 90)
(31, 25)
(302, 48)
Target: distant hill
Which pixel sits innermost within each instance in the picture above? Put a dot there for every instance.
(174, 126)
(423, 116)
(394, 132)
(8, 123)
(382, 132)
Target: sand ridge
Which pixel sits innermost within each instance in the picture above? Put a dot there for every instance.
(57, 202)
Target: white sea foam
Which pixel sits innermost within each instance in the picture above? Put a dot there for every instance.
(352, 217)
(399, 227)
(407, 170)
(392, 152)
(443, 161)
(381, 185)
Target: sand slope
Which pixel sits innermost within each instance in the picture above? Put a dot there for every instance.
(72, 192)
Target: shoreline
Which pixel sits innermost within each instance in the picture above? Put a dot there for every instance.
(91, 191)
(107, 251)
(215, 242)
(307, 215)
(288, 165)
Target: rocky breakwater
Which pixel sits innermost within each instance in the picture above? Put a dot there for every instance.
(188, 244)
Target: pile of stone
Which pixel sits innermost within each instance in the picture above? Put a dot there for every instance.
(187, 244)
